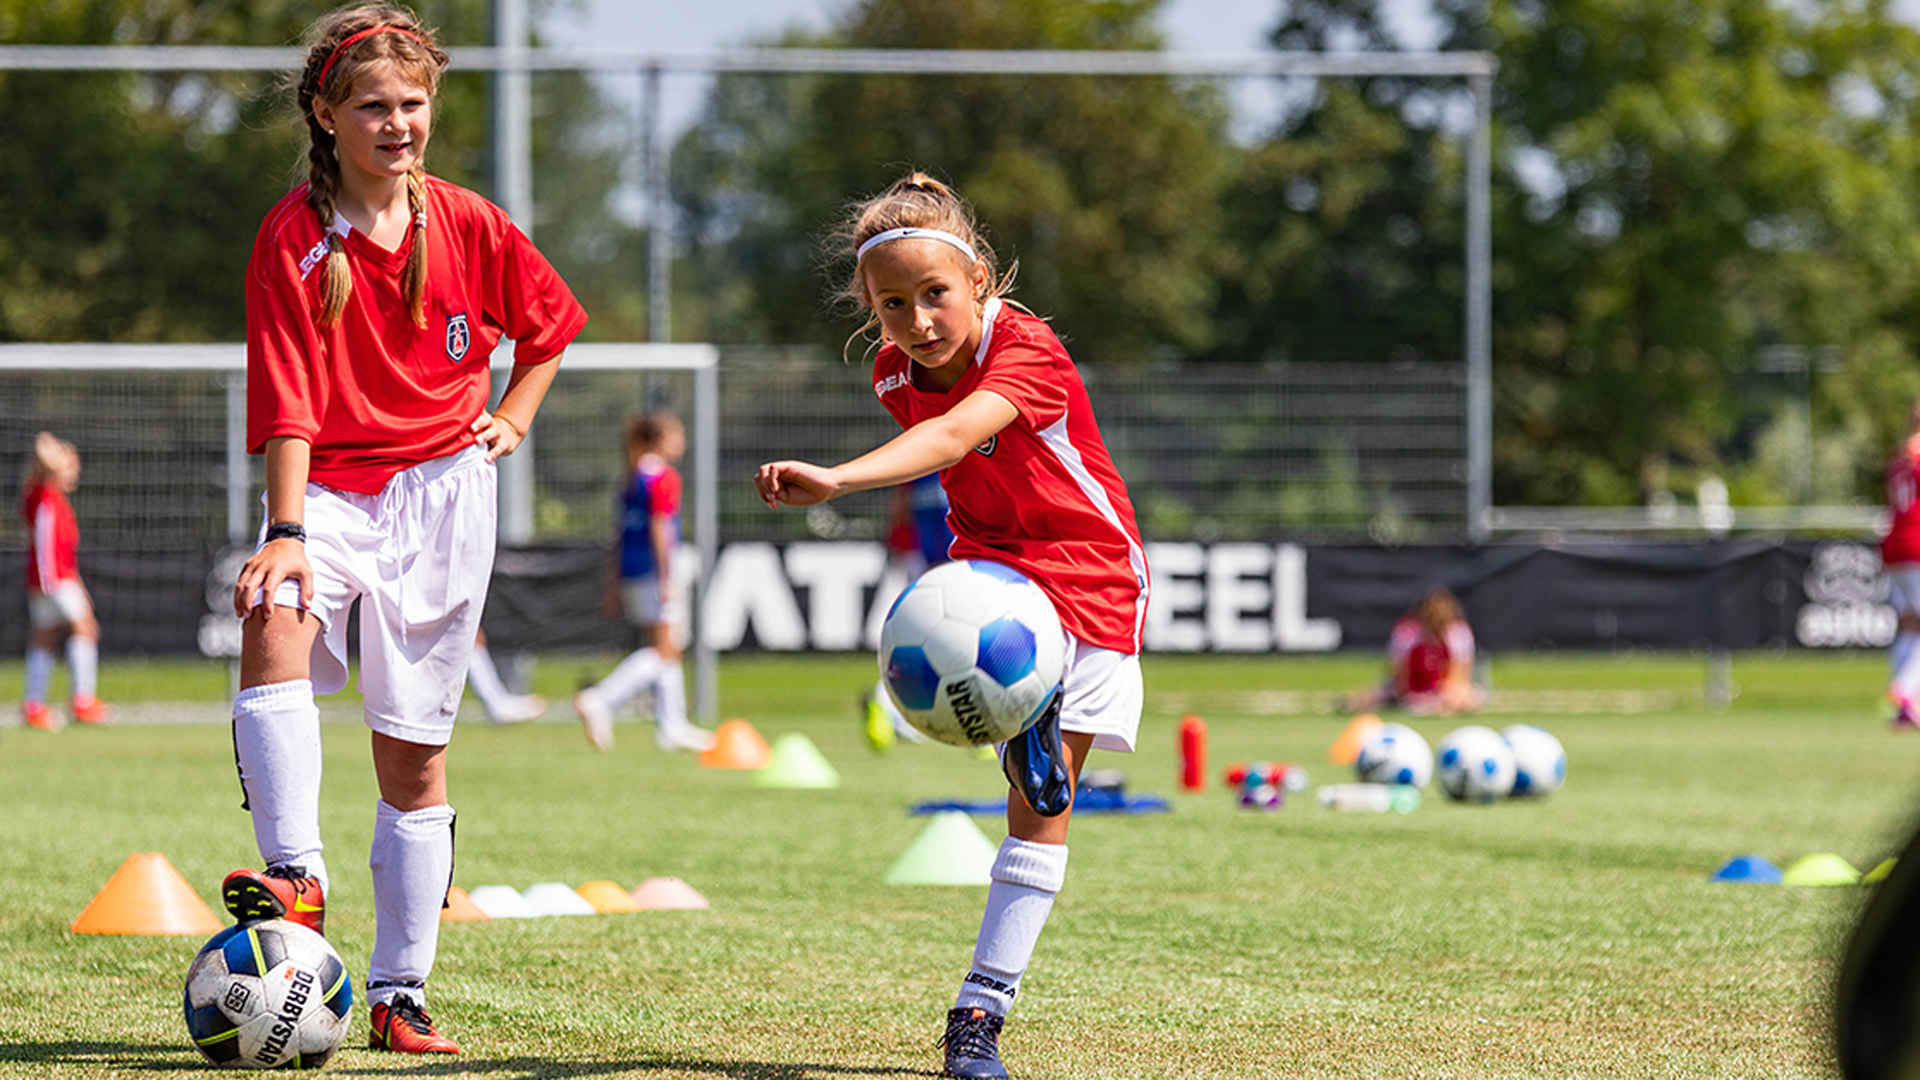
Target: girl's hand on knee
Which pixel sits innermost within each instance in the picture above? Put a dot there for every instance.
(278, 561)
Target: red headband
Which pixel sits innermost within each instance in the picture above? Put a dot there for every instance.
(327, 67)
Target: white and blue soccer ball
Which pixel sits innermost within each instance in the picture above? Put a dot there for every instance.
(1539, 761)
(1395, 754)
(972, 652)
(1476, 765)
(267, 995)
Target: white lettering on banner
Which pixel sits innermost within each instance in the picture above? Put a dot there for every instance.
(1179, 597)
(749, 586)
(1237, 587)
(835, 577)
(1224, 597)
(1292, 630)
(1846, 600)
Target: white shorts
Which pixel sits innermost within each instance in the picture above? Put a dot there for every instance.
(1103, 695)
(66, 605)
(1903, 588)
(418, 557)
(644, 605)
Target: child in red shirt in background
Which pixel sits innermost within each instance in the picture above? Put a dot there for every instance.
(1430, 654)
(1900, 554)
(57, 601)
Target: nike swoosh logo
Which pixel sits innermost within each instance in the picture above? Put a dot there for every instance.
(303, 907)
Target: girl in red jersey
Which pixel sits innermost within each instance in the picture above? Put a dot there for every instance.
(989, 398)
(1900, 554)
(57, 601)
(375, 295)
(1430, 660)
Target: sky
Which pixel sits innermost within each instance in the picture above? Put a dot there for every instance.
(1205, 26)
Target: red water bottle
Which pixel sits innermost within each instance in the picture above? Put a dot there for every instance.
(1193, 753)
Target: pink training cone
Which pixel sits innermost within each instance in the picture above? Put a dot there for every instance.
(147, 896)
(668, 894)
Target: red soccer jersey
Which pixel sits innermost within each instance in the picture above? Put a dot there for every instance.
(1902, 542)
(376, 394)
(53, 537)
(1042, 495)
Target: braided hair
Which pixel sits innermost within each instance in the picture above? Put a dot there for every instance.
(340, 48)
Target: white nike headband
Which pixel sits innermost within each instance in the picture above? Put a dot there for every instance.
(915, 234)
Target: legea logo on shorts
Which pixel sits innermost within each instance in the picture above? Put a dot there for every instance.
(459, 337)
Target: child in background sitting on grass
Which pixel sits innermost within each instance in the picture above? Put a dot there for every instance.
(58, 604)
(989, 398)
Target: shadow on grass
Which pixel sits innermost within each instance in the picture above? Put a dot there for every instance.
(148, 1057)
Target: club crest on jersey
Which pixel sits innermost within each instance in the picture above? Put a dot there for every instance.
(987, 448)
(459, 337)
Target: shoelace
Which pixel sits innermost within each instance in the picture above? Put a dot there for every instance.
(292, 875)
(973, 1036)
(415, 1017)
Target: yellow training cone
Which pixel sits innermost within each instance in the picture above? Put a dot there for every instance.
(1822, 868)
(1879, 873)
(608, 897)
(146, 896)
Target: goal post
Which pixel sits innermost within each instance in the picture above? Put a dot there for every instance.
(169, 494)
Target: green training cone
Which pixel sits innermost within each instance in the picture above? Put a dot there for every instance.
(1879, 873)
(951, 850)
(1822, 868)
(797, 763)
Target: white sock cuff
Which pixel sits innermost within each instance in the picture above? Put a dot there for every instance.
(268, 695)
(1037, 866)
(385, 813)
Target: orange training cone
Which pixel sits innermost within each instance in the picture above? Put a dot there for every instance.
(146, 896)
(737, 746)
(461, 908)
(1346, 749)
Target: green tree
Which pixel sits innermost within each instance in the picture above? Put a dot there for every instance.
(1105, 189)
(131, 199)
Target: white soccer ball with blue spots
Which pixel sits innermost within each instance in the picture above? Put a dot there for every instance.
(1539, 761)
(1476, 765)
(1395, 754)
(972, 653)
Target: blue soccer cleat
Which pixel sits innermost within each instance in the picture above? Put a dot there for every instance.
(973, 1045)
(1037, 766)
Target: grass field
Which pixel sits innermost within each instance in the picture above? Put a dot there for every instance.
(1576, 937)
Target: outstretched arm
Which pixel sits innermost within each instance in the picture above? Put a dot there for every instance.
(929, 446)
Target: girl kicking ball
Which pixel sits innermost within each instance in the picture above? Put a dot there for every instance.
(375, 296)
(989, 398)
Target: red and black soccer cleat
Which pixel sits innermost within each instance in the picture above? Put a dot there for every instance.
(279, 892)
(402, 1026)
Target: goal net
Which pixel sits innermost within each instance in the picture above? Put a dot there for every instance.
(169, 501)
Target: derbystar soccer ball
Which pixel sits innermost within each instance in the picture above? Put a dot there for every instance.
(263, 995)
(1395, 754)
(1539, 762)
(972, 652)
(1476, 765)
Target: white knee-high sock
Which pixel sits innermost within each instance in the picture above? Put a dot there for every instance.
(1026, 877)
(276, 741)
(39, 673)
(83, 664)
(637, 672)
(485, 680)
(412, 863)
(671, 704)
(1905, 675)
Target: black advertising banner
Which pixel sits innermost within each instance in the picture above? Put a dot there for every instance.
(1234, 598)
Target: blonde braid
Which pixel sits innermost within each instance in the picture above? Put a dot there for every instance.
(414, 285)
(323, 178)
